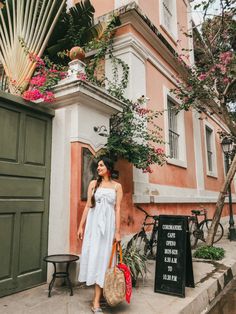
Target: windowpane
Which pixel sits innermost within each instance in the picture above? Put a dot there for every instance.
(209, 148)
(173, 130)
(168, 14)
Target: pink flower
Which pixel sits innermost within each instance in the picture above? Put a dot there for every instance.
(53, 70)
(48, 97)
(36, 59)
(189, 88)
(226, 80)
(222, 68)
(32, 94)
(38, 80)
(226, 57)
(147, 170)
(82, 76)
(159, 151)
(63, 75)
(142, 111)
(202, 76)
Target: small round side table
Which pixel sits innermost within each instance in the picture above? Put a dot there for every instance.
(59, 259)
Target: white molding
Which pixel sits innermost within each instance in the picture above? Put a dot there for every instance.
(190, 30)
(181, 161)
(157, 193)
(133, 18)
(121, 3)
(124, 41)
(214, 172)
(68, 92)
(218, 121)
(94, 145)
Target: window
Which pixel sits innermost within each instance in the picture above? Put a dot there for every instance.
(210, 150)
(168, 16)
(173, 130)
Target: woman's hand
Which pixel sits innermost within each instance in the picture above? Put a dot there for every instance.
(117, 237)
(80, 233)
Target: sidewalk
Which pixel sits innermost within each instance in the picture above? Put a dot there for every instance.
(210, 280)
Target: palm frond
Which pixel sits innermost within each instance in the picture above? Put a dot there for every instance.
(74, 28)
(25, 27)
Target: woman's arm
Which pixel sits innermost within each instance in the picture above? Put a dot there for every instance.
(119, 195)
(86, 208)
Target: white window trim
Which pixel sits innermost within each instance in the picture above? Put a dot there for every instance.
(181, 161)
(120, 3)
(214, 172)
(172, 33)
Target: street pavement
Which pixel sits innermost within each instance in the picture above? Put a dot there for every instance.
(210, 279)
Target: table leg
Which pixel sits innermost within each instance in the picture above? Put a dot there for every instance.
(52, 281)
(68, 279)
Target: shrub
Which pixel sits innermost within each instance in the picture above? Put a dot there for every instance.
(209, 252)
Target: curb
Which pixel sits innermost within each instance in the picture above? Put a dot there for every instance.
(211, 287)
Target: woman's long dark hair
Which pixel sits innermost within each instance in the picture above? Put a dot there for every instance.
(110, 167)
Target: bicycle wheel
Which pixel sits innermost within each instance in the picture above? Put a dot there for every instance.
(150, 248)
(205, 226)
(140, 241)
(192, 233)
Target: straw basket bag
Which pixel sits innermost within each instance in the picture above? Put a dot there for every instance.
(114, 286)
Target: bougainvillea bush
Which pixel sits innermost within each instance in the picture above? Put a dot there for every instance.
(46, 76)
(136, 137)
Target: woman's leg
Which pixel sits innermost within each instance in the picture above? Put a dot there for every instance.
(97, 296)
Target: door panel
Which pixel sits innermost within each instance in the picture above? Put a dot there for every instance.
(36, 130)
(25, 147)
(6, 240)
(30, 247)
(20, 187)
(9, 137)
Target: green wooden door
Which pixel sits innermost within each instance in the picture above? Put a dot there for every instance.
(25, 144)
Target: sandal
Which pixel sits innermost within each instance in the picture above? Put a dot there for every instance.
(96, 310)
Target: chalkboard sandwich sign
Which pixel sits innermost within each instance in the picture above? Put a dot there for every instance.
(174, 268)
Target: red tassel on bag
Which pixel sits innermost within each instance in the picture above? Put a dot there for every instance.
(128, 281)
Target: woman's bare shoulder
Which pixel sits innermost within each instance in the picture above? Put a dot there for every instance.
(92, 183)
(117, 185)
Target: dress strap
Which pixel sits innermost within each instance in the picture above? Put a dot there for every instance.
(116, 185)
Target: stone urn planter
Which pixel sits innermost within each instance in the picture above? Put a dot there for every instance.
(76, 53)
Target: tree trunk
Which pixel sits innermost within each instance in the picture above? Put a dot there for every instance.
(220, 203)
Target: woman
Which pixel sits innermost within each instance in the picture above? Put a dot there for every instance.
(102, 216)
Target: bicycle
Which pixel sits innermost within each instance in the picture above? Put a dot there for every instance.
(199, 230)
(145, 241)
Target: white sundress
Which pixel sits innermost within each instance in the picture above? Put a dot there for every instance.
(98, 238)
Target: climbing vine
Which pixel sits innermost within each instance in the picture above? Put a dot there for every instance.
(134, 132)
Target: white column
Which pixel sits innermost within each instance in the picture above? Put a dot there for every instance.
(198, 151)
(59, 214)
(128, 51)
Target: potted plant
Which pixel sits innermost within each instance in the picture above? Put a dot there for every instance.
(135, 260)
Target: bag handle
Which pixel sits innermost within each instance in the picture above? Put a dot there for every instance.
(116, 246)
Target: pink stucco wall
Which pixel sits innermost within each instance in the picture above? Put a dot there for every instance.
(168, 175)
